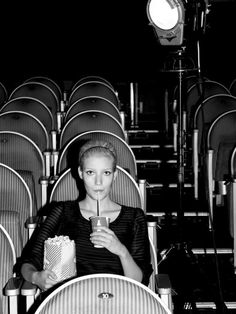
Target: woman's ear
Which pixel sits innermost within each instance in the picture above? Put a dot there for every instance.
(115, 174)
(80, 173)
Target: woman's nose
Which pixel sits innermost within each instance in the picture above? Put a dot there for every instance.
(98, 180)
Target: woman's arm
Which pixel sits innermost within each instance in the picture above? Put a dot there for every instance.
(108, 239)
(44, 279)
(135, 258)
(140, 245)
(32, 257)
(130, 268)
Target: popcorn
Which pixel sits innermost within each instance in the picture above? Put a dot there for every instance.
(59, 256)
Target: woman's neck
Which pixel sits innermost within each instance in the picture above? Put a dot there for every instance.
(108, 208)
(91, 204)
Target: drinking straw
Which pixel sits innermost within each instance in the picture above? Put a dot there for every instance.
(98, 204)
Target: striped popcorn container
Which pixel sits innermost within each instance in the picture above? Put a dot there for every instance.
(59, 256)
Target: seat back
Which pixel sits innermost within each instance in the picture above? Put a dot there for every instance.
(39, 91)
(200, 91)
(90, 78)
(100, 294)
(23, 155)
(94, 88)
(125, 155)
(221, 139)
(233, 163)
(88, 121)
(15, 196)
(93, 103)
(3, 94)
(52, 84)
(124, 191)
(232, 87)
(208, 111)
(33, 106)
(189, 81)
(7, 261)
(11, 221)
(26, 124)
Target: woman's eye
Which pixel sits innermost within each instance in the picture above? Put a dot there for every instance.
(89, 172)
(107, 173)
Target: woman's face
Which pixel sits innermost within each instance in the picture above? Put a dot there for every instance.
(98, 175)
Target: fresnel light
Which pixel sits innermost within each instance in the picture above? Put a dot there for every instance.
(167, 18)
(175, 21)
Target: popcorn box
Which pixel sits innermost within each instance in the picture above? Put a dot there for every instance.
(59, 256)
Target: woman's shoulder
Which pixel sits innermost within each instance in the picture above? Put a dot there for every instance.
(133, 211)
(59, 207)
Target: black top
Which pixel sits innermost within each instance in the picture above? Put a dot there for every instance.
(66, 219)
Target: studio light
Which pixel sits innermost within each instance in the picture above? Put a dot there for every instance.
(167, 18)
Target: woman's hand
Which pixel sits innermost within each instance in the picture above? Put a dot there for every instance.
(44, 279)
(107, 238)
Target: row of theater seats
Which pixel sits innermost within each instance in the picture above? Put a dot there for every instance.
(210, 127)
(45, 163)
(41, 131)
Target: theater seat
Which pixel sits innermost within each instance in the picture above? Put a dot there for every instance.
(102, 294)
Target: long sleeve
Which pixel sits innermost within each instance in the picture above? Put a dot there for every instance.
(34, 250)
(140, 246)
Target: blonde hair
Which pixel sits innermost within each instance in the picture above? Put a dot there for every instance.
(97, 146)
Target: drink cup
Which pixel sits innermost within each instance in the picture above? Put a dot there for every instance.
(97, 222)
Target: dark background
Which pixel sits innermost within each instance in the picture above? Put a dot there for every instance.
(66, 40)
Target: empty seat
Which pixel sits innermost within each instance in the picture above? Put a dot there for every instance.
(39, 91)
(15, 197)
(232, 87)
(33, 106)
(26, 124)
(8, 305)
(205, 114)
(24, 156)
(90, 78)
(221, 140)
(93, 103)
(50, 83)
(103, 293)
(3, 95)
(10, 219)
(198, 92)
(88, 121)
(94, 88)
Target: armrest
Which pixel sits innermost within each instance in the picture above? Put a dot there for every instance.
(143, 191)
(122, 115)
(47, 161)
(175, 136)
(231, 195)
(195, 162)
(12, 287)
(12, 291)
(163, 288)
(44, 186)
(55, 156)
(210, 183)
(53, 140)
(29, 290)
(31, 224)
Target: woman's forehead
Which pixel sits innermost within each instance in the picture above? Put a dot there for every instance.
(98, 158)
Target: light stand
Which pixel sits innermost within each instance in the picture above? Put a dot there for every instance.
(182, 267)
(180, 254)
(171, 33)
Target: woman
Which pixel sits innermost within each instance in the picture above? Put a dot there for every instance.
(125, 244)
